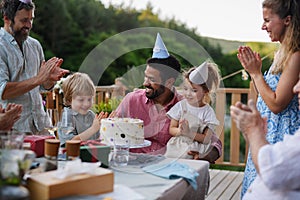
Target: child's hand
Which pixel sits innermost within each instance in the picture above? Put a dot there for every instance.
(184, 127)
(97, 121)
(195, 155)
(95, 128)
(102, 115)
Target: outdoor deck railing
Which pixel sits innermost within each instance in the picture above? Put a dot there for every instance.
(224, 98)
(104, 93)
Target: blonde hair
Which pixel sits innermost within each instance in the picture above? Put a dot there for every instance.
(291, 41)
(212, 83)
(77, 84)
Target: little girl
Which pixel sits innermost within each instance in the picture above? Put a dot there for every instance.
(193, 120)
(79, 91)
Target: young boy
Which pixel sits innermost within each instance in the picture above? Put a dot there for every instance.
(78, 91)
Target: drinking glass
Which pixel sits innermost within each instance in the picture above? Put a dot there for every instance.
(66, 124)
(11, 139)
(119, 155)
(64, 129)
(53, 117)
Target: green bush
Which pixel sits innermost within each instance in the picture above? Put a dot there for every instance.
(111, 105)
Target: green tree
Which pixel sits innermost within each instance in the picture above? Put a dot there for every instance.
(71, 29)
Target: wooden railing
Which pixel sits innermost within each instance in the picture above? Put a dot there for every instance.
(54, 100)
(103, 93)
(235, 94)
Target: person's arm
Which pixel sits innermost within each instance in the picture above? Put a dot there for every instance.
(175, 115)
(213, 153)
(48, 74)
(203, 137)
(182, 128)
(256, 141)
(85, 135)
(15, 89)
(174, 128)
(252, 125)
(276, 100)
(281, 158)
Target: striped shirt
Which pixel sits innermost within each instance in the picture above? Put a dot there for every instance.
(16, 66)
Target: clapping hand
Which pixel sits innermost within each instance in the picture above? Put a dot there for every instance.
(248, 119)
(9, 116)
(97, 120)
(184, 127)
(50, 72)
(250, 60)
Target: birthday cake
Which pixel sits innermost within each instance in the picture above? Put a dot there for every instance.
(122, 131)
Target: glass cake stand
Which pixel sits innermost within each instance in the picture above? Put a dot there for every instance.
(145, 144)
(133, 146)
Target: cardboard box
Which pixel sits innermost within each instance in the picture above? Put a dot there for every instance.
(93, 151)
(46, 186)
(37, 143)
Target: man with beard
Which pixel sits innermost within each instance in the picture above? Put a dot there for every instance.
(24, 72)
(152, 103)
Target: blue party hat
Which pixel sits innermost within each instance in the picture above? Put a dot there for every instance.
(160, 50)
(200, 74)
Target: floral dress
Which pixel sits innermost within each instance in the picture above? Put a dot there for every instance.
(285, 122)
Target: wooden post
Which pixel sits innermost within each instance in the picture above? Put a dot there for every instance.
(235, 135)
(49, 100)
(220, 113)
(58, 102)
(253, 93)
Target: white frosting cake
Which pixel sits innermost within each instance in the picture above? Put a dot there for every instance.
(122, 131)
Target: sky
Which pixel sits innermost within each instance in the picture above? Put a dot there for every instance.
(239, 20)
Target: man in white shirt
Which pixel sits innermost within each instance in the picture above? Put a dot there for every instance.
(278, 164)
(24, 71)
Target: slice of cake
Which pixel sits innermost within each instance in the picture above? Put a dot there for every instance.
(122, 131)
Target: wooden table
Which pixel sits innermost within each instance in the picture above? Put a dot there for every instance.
(153, 187)
(148, 186)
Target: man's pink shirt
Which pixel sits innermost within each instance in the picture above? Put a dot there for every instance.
(156, 122)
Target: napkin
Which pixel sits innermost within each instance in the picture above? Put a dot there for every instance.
(174, 170)
(75, 167)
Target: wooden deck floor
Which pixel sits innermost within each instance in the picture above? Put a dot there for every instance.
(224, 185)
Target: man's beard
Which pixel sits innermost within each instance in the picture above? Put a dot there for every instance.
(156, 93)
(18, 35)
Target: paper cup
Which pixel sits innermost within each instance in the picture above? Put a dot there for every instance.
(51, 147)
(73, 149)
